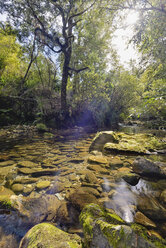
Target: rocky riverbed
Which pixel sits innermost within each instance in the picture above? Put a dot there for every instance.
(51, 177)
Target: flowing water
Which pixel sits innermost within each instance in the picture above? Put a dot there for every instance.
(60, 162)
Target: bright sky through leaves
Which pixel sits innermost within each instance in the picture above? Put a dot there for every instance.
(122, 36)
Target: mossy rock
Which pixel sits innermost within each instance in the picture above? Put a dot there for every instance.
(48, 236)
(104, 228)
(5, 202)
(101, 139)
(5, 194)
(117, 142)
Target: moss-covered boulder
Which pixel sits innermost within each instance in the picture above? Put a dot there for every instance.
(103, 228)
(117, 142)
(48, 236)
(101, 139)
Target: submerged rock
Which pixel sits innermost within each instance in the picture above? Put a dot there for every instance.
(43, 184)
(47, 235)
(97, 160)
(17, 188)
(6, 163)
(79, 198)
(103, 228)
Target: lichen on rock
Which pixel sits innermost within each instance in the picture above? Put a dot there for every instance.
(103, 228)
(48, 236)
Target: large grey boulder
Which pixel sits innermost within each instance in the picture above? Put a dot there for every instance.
(146, 167)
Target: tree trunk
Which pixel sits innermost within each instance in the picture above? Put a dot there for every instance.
(65, 76)
(65, 73)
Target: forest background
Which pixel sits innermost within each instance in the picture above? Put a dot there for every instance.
(58, 64)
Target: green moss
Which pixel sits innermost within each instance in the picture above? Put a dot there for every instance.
(142, 231)
(41, 127)
(72, 244)
(5, 201)
(115, 234)
(48, 236)
(114, 218)
(116, 231)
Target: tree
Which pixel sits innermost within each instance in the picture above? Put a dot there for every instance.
(52, 23)
(10, 60)
(91, 50)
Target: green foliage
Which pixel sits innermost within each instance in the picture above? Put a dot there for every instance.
(41, 127)
(10, 61)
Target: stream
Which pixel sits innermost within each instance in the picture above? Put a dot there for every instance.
(50, 178)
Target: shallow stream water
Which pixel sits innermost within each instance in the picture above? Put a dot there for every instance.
(61, 161)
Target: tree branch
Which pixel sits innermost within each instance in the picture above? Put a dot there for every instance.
(34, 14)
(78, 70)
(82, 12)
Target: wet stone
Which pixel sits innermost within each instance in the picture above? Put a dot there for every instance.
(80, 198)
(97, 159)
(56, 188)
(90, 177)
(27, 164)
(115, 162)
(140, 218)
(76, 160)
(28, 189)
(38, 172)
(5, 191)
(6, 163)
(91, 190)
(25, 180)
(43, 184)
(17, 188)
(131, 178)
(98, 169)
(151, 208)
(163, 196)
